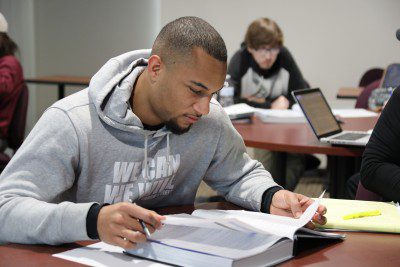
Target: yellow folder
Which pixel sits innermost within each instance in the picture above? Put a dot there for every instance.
(337, 209)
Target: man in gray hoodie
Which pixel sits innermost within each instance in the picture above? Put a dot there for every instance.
(146, 130)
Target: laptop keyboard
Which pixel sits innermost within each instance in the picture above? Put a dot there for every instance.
(350, 136)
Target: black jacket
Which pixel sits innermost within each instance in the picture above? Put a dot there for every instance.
(380, 169)
(242, 61)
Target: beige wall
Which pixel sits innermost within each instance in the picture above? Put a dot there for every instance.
(333, 42)
(77, 37)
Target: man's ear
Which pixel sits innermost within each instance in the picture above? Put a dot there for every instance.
(154, 66)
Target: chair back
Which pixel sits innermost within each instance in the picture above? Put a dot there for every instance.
(371, 75)
(364, 194)
(391, 78)
(18, 121)
(362, 99)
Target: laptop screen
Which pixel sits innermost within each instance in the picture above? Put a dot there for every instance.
(317, 111)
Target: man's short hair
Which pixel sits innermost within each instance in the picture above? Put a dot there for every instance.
(178, 38)
(263, 32)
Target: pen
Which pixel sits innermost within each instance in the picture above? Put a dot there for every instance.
(145, 229)
(362, 214)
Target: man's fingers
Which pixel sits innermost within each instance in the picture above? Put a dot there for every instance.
(321, 209)
(281, 212)
(146, 215)
(318, 218)
(132, 223)
(150, 227)
(294, 203)
(122, 242)
(310, 225)
(133, 236)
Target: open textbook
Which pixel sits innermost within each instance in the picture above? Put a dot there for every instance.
(388, 220)
(228, 238)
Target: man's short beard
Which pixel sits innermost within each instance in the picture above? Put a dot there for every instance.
(173, 126)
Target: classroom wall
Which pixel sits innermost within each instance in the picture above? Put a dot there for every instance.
(20, 17)
(333, 42)
(77, 37)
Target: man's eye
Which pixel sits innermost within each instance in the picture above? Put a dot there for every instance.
(195, 91)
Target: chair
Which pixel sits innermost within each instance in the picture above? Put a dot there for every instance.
(362, 99)
(391, 77)
(371, 75)
(364, 194)
(17, 125)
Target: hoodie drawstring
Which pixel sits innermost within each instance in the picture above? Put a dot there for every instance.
(146, 140)
(145, 175)
(168, 152)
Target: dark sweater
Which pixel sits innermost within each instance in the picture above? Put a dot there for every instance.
(380, 170)
(283, 77)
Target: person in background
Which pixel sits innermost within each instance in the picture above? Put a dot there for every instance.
(11, 81)
(147, 131)
(380, 168)
(263, 74)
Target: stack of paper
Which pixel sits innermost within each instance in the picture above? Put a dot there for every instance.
(239, 111)
(280, 116)
(354, 113)
(388, 221)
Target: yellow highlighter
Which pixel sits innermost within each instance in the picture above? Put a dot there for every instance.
(362, 214)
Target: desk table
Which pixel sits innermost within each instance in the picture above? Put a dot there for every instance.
(349, 92)
(61, 82)
(298, 138)
(358, 249)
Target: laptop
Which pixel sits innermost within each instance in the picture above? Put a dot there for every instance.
(322, 121)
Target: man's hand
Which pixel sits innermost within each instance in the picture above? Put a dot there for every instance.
(118, 224)
(289, 204)
(259, 100)
(280, 103)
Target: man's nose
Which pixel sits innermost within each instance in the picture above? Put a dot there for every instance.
(202, 107)
(268, 55)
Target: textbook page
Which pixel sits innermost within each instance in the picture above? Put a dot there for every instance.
(280, 116)
(220, 242)
(102, 254)
(260, 222)
(189, 220)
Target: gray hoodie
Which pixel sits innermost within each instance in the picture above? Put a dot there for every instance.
(91, 148)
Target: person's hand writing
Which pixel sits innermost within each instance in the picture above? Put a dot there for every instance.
(118, 224)
(280, 103)
(289, 204)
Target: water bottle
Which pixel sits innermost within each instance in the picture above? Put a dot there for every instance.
(225, 96)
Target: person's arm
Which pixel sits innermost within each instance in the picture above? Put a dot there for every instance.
(245, 182)
(9, 75)
(296, 80)
(380, 169)
(32, 210)
(232, 172)
(39, 173)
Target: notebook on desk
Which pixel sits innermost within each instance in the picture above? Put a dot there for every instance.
(322, 121)
(388, 221)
